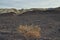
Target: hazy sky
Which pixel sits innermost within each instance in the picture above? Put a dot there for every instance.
(29, 3)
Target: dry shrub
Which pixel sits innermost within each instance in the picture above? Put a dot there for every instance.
(30, 31)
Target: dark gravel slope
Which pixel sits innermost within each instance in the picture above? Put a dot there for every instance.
(49, 23)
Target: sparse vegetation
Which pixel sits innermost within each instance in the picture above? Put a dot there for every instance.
(30, 31)
(20, 11)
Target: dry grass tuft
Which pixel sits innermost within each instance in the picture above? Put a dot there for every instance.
(30, 31)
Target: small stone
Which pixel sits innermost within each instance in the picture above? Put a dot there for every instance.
(59, 30)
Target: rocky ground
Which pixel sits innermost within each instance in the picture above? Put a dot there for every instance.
(49, 23)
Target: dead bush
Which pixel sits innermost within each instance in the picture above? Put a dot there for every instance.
(30, 31)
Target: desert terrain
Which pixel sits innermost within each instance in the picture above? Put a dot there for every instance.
(47, 20)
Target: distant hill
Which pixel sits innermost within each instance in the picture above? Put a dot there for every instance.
(20, 11)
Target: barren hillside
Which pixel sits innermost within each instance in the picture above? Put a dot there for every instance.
(48, 21)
